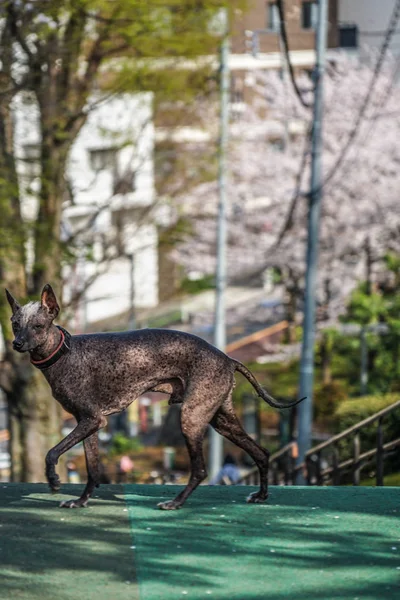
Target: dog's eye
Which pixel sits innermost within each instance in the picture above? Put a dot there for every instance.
(38, 326)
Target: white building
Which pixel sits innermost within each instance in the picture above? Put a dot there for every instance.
(370, 19)
(111, 181)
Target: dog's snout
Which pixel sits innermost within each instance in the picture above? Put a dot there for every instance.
(18, 344)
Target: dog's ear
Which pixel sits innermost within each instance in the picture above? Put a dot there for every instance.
(49, 301)
(12, 302)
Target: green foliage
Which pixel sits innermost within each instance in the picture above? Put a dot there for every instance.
(280, 379)
(124, 445)
(327, 397)
(390, 480)
(365, 308)
(176, 233)
(353, 410)
(148, 41)
(165, 320)
(194, 286)
(380, 306)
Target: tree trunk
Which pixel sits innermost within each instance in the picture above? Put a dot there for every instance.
(47, 267)
(368, 265)
(34, 418)
(291, 305)
(326, 356)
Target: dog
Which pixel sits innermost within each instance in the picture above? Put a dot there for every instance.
(96, 375)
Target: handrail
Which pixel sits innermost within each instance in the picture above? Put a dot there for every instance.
(365, 455)
(284, 449)
(354, 428)
(255, 337)
(291, 448)
(291, 452)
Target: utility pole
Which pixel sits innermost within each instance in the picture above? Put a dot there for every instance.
(315, 197)
(216, 442)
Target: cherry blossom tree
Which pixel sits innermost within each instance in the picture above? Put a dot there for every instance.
(269, 179)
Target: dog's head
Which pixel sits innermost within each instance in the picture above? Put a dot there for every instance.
(31, 322)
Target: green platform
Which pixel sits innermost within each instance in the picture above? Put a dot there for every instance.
(305, 544)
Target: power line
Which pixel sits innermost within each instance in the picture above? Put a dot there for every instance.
(353, 134)
(297, 192)
(377, 115)
(288, 223)
(283, 34)
(390, 31)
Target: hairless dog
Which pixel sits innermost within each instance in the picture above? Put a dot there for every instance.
(96, 375)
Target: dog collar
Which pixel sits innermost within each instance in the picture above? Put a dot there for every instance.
(63, 348)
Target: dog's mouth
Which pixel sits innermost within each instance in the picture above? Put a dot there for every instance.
(20, 348)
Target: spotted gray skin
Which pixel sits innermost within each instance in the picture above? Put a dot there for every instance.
(105, 372)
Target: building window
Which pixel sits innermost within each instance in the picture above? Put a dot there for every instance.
(124, 183)
(32, 152)
(348, 36)
(103, 158)
(273, 21)
(309, 15)
(31, 158)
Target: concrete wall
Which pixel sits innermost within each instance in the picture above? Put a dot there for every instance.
(372, 18)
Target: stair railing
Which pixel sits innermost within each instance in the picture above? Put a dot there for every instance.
(323, 464)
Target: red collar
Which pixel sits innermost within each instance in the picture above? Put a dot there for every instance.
(63, 347)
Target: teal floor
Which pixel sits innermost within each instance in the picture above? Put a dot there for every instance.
(305, 544)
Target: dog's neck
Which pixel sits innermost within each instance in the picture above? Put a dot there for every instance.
(52, 342)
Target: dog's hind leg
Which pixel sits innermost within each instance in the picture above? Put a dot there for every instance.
(91, 446)
(195, 416)
(227, 424)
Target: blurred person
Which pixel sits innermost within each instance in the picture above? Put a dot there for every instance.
(73, 475)
(125, 467)
(229, 473)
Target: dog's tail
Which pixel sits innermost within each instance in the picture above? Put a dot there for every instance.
(260, 391)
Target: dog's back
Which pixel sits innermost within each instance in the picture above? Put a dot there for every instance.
(110, 370)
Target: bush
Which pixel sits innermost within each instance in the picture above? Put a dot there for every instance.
(354, 410)
(327, 397)
(195, 286)
(121, 444)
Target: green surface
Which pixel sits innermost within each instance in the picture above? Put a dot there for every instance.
(305, 544)
(64, 554)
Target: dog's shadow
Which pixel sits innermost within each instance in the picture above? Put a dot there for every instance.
(39, 495)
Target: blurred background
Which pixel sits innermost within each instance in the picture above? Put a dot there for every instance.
(131, 135)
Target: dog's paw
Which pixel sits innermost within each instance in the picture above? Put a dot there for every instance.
(257, 498)
(54, 483)
(74, 503)
(169, 505)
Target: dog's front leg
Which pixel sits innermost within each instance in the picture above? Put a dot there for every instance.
(85, 428)
(91, 445)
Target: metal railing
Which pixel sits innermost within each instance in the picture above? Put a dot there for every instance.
(283, 469)
(323, 464)
(317, 473)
